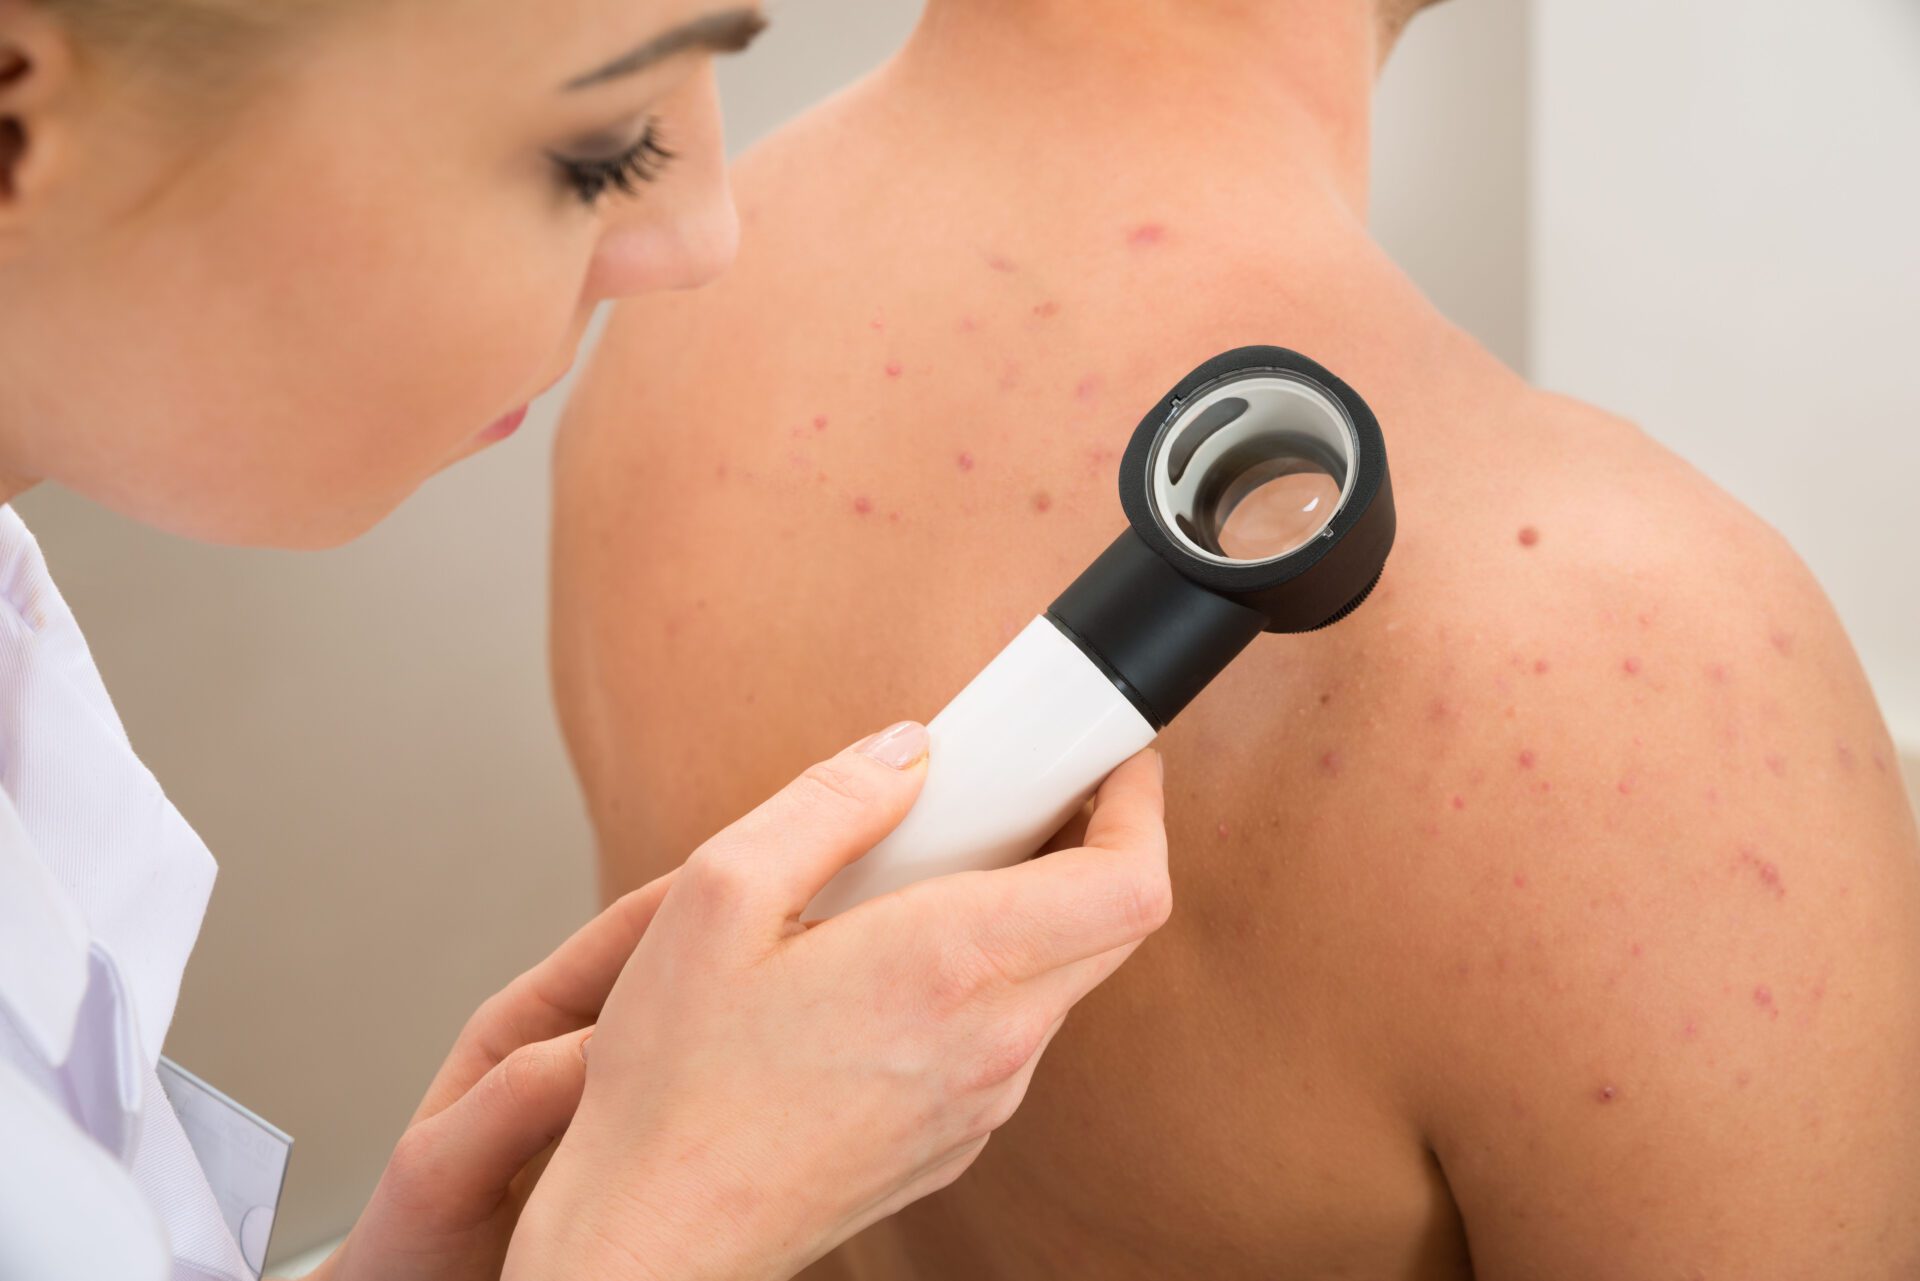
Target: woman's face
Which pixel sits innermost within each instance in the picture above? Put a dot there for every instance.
(270, 326)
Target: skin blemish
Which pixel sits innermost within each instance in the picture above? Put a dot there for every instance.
(1539, 667)
(1691, 1031)
(1782, 642)
(1765, 869)
(1043, 502)
(1458, 802)
(863, 505)
(1009, 376)
(1086, 389)
(877, 325)
(1146, 234)
(1325, 699)
(1776, 764)
(1763, 998)
(1047, 310)
(819, 422)
(1880, 762)
(1519, 880)
(968, 324)
(1717, 673)
(1624, 787)
(820, 478)
(1438, 711)
(893, 518)
(1220, 830)
(1606, 1094)
(1631, 666)
(1634, 951)
(1000, 262)
(893, 369)
(1529, 536)
(1844, 754)
(1526, 758)
(1330, 763)
(965, 461)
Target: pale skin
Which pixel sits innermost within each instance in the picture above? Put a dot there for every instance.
(259, 301)
(1557, 915)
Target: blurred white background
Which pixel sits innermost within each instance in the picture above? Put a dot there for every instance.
(1701, 215)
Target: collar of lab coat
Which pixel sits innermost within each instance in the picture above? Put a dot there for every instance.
(93, 857)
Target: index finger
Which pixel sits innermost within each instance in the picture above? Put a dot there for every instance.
(561, 994)
(1039, 916)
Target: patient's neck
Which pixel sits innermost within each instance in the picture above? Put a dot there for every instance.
(1284, 85)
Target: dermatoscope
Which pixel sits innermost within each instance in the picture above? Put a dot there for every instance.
(1257, 500)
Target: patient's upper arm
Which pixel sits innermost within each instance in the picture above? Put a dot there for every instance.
(1665, 985)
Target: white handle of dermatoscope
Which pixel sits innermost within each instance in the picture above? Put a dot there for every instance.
(1013, 756)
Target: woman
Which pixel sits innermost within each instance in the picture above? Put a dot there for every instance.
(264, 267)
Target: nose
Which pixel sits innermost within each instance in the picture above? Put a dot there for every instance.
(681, 251)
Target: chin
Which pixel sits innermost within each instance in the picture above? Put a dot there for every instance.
(292, 527)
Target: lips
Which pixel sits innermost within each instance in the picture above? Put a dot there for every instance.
(506, 426)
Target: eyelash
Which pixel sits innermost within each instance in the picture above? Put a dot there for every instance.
(626, 173)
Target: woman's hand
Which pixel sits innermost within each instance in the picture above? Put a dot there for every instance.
(759, 1090)
(445, 1207)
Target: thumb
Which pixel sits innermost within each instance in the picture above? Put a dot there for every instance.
(836, 811)
(467, 1154)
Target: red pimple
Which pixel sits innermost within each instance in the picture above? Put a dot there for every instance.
(893, 518)
(1624, 787)
(1776, 764)
(1606, 1094)
(1690, 1031)
(893, 369)
(1717, 673)
(964, 461)
(876, 324)
(1519, 880)
(1220, 830)
(720, 472)
(1330, 763)
(1526, 758)
(1763, 997)
(1047, 310)
(1844, 755)
(1634, 950)
(1765, 869)
(863, 505)
(968, 324)
(1000, 262)
(819, 422)
(1529, 536)
(1147, 233)
(1087, 388)
(1459, 802)
(1539, 667)
(1043, 501)
(1782, 641)
(1631, 666)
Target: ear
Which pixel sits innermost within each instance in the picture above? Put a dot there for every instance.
(36, 73)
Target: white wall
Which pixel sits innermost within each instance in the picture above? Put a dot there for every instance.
(1726, 247)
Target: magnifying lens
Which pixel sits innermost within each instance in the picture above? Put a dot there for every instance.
(1257, 500)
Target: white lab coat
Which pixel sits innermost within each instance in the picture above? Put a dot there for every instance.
(102, 889)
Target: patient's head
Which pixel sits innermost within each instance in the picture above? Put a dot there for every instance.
(265, 265)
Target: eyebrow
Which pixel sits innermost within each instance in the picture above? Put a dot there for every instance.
(728, 31)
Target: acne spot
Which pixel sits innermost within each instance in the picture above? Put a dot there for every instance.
(1763, 998)
(1782, 642)
(820, 478)
(1146, 234)
(1000, 262)
(877, 325)
(800, 461)
(1539, 667)
(1742, 1078)
(1459, 802)
(863, 505)
(968, 324)
(1606, 1094)
(1624, 787)
(1765, 869)
(1330, 763)
(1717, 673)
(819, 422)
(1645, 619)
(965, 461)
(1220, 830)
(1519, 880)
(1529, 536)
(720, 472)
(893, 369)
(1844, 754)
(893, 518)
(1438, 711)
(1047, 310)
(1631, 666)
(1879, 762)
(1691, 1031)
(1526, 758)
(1043, 502)
(1776, 764)
(1086, 389)
(1634, 951)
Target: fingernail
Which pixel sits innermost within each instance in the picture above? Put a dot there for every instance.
(897, 746)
